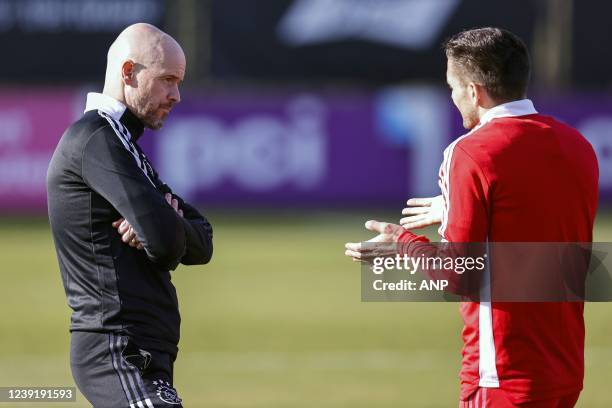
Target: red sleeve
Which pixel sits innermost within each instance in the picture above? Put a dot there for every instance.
(465, 220)
(466, 199)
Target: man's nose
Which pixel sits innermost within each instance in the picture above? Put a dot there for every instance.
(175, 95)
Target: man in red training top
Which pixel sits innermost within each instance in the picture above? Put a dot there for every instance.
(516, 176)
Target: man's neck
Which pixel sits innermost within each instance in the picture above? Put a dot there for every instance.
(490, 104)
(116, 94)
(518, 107)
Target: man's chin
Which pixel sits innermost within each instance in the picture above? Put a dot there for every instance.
(154, 125)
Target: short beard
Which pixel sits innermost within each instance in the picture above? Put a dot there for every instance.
(152, 123)
(145, 111)
(469, 123)
(470, 120)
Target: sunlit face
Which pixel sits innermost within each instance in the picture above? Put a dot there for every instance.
(462, 95)
(157, 89)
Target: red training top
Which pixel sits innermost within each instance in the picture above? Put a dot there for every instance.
(520, 177)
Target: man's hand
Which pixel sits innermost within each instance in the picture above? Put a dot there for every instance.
(173, 203)
(383, 245)
(422, 212)
(128, 235)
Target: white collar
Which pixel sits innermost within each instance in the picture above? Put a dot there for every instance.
(515, 108)
(105, 103)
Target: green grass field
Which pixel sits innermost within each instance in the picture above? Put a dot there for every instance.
(274, 321)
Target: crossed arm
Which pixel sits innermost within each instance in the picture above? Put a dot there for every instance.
(153, 220)
(127, 232)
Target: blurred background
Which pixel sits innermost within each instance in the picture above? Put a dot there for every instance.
(299, 120)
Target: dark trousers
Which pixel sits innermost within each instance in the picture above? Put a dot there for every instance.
(112, 371)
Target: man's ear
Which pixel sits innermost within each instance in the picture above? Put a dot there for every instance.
(127, 72)
(477, 94)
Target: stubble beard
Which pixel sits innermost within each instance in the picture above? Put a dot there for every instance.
(146, 112)
(470, 119)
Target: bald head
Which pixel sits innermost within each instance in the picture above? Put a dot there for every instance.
(144, 68)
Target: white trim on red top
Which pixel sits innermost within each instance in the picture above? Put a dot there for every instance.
(487, 367)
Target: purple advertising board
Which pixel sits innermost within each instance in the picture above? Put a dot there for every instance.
(302, 148)
(31, 123)
(276, 148)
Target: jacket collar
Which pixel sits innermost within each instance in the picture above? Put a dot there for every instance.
(521, 107)
(117, 111)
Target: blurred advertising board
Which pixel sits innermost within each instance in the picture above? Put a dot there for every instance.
(351, 148)
(66, 40)
(275, 148)
(391, 41)
(31, 123)
(375, 41)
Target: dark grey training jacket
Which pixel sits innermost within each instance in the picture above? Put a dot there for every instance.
(97, 175)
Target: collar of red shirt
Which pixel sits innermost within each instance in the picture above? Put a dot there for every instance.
(521, 107)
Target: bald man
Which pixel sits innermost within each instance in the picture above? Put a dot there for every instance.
(119, 230)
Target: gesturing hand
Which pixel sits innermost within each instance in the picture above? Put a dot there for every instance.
(128, 235)
(385, 242)
(422, 212)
